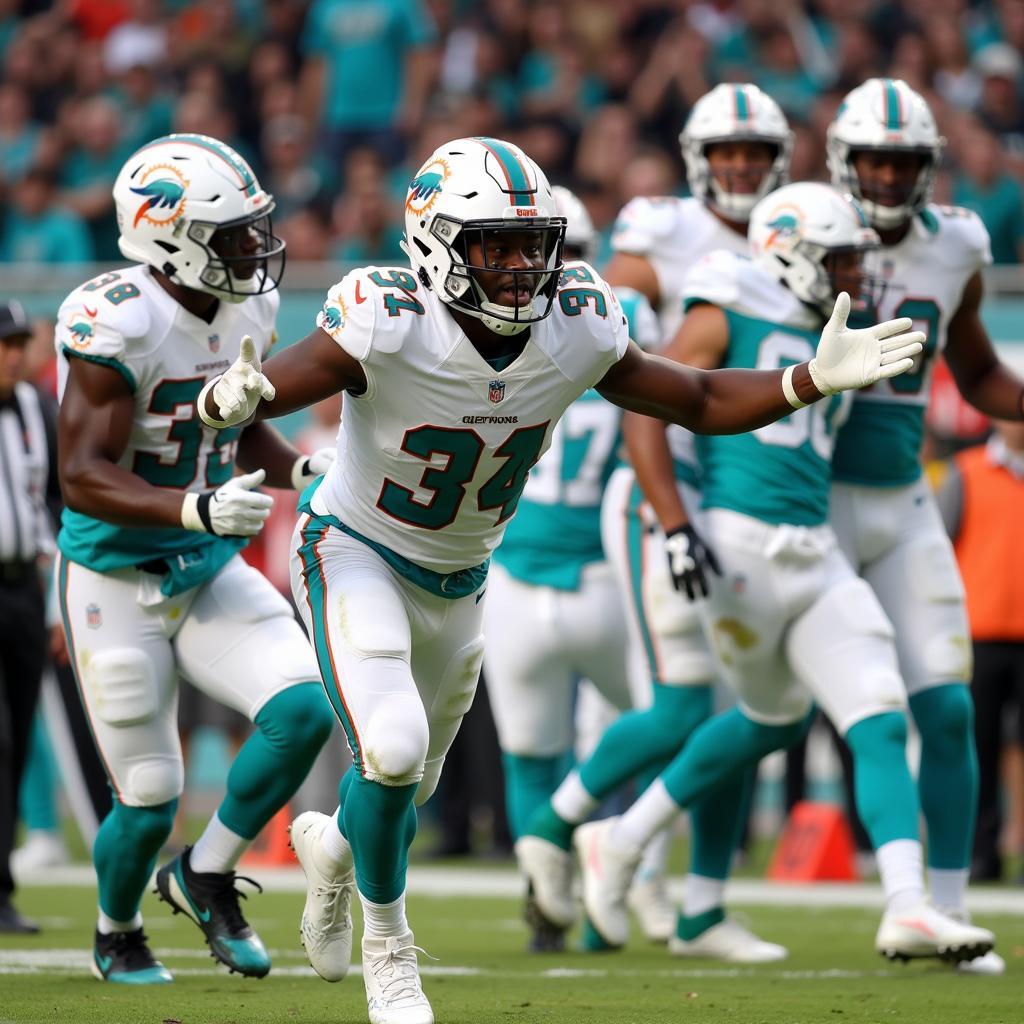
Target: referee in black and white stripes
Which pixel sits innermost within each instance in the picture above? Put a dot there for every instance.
(26, 537)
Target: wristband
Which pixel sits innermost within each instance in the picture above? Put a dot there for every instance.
(195, 512)
(201, 406)
(789, 391)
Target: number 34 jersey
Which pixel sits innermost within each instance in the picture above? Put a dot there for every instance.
(433, 456)
(923, 277)
(124, 320)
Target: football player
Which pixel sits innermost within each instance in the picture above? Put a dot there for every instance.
(554, 614)
(737, 146)
(791, 621)
(884, 148)
(151, 582)
(456, 371)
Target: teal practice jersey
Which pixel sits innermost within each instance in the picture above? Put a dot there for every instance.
(779, 473)
(924, 277)
(557, 526)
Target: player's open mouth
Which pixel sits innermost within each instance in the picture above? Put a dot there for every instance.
(514, 296)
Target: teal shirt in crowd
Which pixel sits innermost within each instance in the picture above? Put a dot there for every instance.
(1001, 209)
(57, 236)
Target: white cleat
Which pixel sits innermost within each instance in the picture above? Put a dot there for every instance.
(548, 870)
(326, 928)
(392, 978)
(41, 849)
(923, 931)
(988, 963)
(731, 942)
(650, 902)
(607, 874)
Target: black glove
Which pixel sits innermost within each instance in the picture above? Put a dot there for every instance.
(689, 558)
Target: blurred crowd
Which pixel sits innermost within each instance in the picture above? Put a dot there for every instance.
(336, 102)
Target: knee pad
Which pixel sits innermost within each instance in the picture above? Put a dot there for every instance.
(122, 686)
(153, 782)
(393, 744)
(299, 717)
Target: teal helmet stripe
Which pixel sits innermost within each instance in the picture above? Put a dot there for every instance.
(515, 173)
(893, 120)
(742, 104)
(245, 176)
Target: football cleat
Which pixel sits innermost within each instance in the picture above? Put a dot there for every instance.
(988, 963)
(607, 873)
(211, 901)
(651, 904)
(548, 870)
(923, 931)
(729, 941)
(326, 928)
(391, 975)
(125, 959)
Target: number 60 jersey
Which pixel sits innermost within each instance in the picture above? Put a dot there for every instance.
(433, 456)
(124, 320)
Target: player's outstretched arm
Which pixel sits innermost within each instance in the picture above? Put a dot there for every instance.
(303, 374)
(984, 381)
(733, 401)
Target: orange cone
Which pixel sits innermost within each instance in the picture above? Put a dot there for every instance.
(815, 846)
(270, 848)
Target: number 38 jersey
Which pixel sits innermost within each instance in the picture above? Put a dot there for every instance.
(778, 473)
(924, 277)
(433, 456)
(126, 321)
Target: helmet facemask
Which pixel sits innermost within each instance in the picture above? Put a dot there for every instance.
(463, 289)
(810, 273)
(704, 183)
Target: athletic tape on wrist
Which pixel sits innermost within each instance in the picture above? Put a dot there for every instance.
(789, 391)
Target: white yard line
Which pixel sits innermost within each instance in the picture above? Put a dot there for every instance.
(506, 883)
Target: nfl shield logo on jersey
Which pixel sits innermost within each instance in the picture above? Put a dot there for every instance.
(496, 391)
(214, 340)
(93, 616)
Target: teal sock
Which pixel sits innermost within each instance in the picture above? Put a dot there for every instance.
(947, 782)
(688, 928)
(546, 824)
(882, 786)
(529, 783)
(721, 751)
(380, 825)
(290, 730)
(37, 801)
(125, 853)
(716, 822)
(640, 740)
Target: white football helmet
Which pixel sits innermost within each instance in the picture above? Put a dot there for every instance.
(579, 229)
(191, 207)
(468, 191)
(734, 113)
(884, 114)
(793, 232)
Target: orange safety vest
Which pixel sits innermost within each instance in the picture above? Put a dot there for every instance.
(990, 546)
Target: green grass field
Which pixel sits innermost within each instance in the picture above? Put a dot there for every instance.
(484, 976)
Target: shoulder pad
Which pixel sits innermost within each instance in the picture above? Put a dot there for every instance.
(643, 222)
(715, 278)
(962, 228)
(372, 309)
(100, 322)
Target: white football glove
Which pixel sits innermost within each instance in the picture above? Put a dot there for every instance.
(848, 359)
(308, 467)
(233, 510)
(238, 390)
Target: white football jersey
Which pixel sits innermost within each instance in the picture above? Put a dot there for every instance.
(433, 456)
(672, 235)
(125, 320)
(923, 277)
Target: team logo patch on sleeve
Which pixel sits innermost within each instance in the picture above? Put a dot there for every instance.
(495, 391)
(333, 316)
(81, 326)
